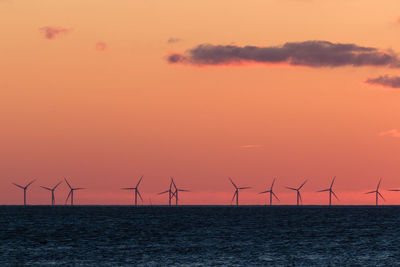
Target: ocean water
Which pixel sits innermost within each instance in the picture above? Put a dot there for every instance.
(199, 236)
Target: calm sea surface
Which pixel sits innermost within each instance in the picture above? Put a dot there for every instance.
(199, 236)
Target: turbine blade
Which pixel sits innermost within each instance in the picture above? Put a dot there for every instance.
(302, 185)
(301, 200)
(381, 196)
(163, 192)
(324, 190)
(139, 181)
(57, 185)
(139, 195)
(183, 190)
(370, 192)
(78, 188)
(67, 183)
(18, 185)
(333, 180)
(127, 188)
(379, 184)
(45, 188)
(30, 183)
(263, 192)
(244, 187)
(394, 190)
(232, 182)
(68, 196)
(273, 182)
(291, 188)
(275, 196)
(335, 195)
(234, 196)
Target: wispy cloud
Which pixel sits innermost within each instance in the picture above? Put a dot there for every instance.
(101, 46)
(385, 80)
(173, 40)
(393, 133)
(309, 53)
(52, 32)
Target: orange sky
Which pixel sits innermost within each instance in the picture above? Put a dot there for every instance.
(99, 103)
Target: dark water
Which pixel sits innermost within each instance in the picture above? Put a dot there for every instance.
(199, 236)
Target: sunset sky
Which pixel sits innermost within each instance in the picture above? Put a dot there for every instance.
(102, 92)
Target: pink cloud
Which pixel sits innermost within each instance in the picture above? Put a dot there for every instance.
(52, 32)
(101, 46)
(393, 133)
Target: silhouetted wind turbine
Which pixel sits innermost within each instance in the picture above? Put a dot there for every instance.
(169, 191)
(136, 190)
(377, 193)
(271, 193)
(53, 200)
(236, 194)
(330, 191)
(71, 192)
(298, 192)
(24, 188)
(176, 192)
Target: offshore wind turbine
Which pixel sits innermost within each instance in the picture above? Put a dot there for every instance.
(136, 190)
(377, 193)
(271, 193)
(71, 192)
(24, 188)
(298, 192)
(331, 192)
(177, 190)
(53, 200)
(169, 191)
(236, 194)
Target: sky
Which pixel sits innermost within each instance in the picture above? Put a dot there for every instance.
(103, 92)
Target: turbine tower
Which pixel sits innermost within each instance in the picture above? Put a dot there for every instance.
(298, 192)
(331, 192)
(136, 190)
(236, 194)
(271, 193)
(53, 200)
(71, 192)
(24, 188)
(169, 191)
(177, 190)
(377, 193)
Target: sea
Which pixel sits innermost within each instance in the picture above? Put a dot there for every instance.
(199, 236)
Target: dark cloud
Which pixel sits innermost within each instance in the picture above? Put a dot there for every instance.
(173, 40)
(52, 32)
(308, 53)
(387, 81)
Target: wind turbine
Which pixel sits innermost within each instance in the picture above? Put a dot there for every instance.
(71, 192)
(169, 191)
(136, 190)
(331, 192)
(298, 192)
(271, 193)
(53, 200)
(377, 193)
(236, 194)
(24, 188)
(176, 191)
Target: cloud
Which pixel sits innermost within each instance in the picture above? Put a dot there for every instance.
(101, 46)
(393, 133)
(173, 40)
(309, 53)
(52, 32)
(385, 80)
